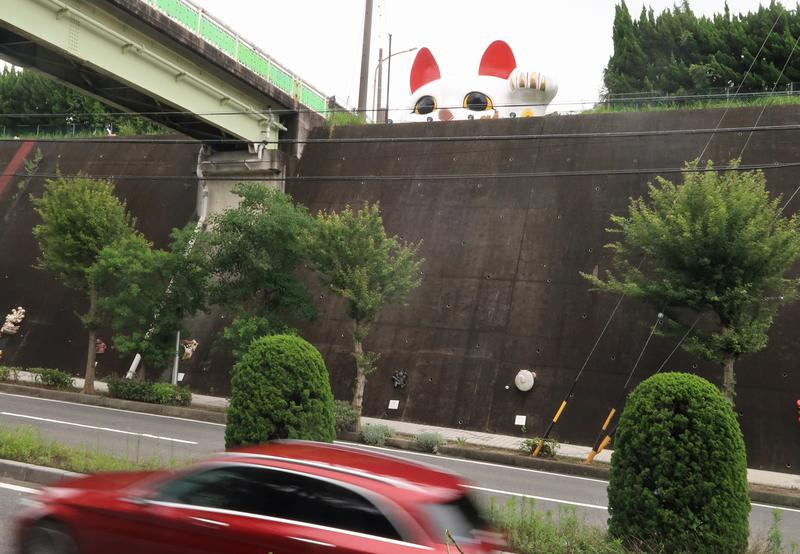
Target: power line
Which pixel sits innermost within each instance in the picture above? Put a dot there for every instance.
(763, 109)
(420, 138)
(440, 177)
(662, 98)
(744, 78)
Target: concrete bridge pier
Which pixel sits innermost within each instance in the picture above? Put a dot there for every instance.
(219, 172)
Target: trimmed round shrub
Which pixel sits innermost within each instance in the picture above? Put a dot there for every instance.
(679, 469)
(280, 390)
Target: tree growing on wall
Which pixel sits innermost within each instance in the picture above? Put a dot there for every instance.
(144, 293)
(715, 247)
(80, 216)
(370, 270)
(254, 252)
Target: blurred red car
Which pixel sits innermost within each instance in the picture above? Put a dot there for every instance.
(284, 497)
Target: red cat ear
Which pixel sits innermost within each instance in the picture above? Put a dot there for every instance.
(498, 60)
(424, 70)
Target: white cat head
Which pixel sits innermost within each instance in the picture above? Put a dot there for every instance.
(499, 89)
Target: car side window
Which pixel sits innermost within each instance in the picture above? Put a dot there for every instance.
(268, 492)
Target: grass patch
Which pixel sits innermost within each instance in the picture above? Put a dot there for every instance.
(688, 104)
(564, 532)
(532, 532)
(25, 444)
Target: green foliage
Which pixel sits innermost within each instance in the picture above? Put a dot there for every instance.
(280, 390)
(679, 470)
(549, 448)
(31, 102)
(429, 442)
(145, 391)
(342, 118)
(357, 261)
(676, 52)
(532, 532)
(346, 417)
(9, 373)
(376, 435)
(716, 246)
(80, 216)
(132, 279)
(775, 537)
(255, 250)
(360, 263)
(50, 377)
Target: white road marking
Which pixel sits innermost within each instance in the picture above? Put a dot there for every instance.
(771, 507)
(476, 462)
(17, 488)
(436, 456)
(542, 498)
(112, 409)
(108, 429)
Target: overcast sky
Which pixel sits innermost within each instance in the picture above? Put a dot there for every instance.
(320, 40)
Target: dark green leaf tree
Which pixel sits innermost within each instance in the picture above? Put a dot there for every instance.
(254, 252)
(80, 216)
(144, 293)
(358, 261)
(716, 246)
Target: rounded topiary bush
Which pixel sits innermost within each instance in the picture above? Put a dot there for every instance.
(679, 469)
(280, 390)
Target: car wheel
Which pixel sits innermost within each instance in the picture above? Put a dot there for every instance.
(49, 537)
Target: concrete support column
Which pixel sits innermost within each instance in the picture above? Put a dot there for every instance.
(219, 172)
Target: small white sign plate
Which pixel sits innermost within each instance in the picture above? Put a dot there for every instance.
(394, 404)
(181, 376)
(520, 420)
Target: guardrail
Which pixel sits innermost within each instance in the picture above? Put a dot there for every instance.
(219, 35)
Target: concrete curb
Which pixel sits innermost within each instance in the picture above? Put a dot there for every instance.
(30, 473)
(208, 414)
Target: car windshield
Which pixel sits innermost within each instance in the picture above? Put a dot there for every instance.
(460, 517)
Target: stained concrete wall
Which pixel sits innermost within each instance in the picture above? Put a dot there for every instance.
(501, 289)
(51, 335)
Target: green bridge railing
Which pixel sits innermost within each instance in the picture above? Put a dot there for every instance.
(216, 33)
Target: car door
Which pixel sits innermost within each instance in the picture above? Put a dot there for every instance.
(212, 511)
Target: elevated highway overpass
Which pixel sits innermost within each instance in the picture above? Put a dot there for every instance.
(179, 66)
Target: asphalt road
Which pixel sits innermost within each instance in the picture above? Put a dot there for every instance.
(134, 434)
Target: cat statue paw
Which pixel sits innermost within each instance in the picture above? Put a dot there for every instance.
(498, 89)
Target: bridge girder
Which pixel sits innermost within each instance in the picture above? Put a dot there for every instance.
(91, 48)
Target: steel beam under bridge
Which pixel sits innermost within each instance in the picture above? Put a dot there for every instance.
(110, 53)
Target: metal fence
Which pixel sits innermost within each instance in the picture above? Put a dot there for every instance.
(216, 33)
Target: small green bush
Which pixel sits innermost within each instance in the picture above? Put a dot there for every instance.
(144, 391)
(549, 448)
(429, 441)
(9, 373)
(679, 471)
(346, 416)
(376, 435)
(279, 390)
(50, 377)
(167, 393)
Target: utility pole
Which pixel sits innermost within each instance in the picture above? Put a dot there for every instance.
(364, 83)
(388, 113)
(378, 111)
